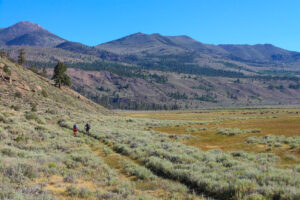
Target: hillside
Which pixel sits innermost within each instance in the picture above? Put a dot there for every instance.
(152, 71)
(158, 90)
(126, 157)
(41, 159)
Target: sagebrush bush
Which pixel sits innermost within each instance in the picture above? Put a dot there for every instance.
(291, 157)
(34, 108)
(51, 111)
(84, 193)
(31, 116)
(18, 94)
(139, 172)
(72, 191)
(8, 152)
(70, 178)
(15, 107)
(3, 119)
(44, 93)
(7, 70)
(235, 131)
(276, 141)
(209, 171)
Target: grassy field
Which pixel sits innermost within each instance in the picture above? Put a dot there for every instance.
(281, 122)
(160, 155)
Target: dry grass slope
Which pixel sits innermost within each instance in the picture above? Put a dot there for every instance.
(41, 159)
(130, 157)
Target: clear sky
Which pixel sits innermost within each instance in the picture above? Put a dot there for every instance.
(210, 21)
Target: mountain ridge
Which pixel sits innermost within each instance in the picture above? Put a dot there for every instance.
(31, 34)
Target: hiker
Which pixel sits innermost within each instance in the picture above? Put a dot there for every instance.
(87, 128)
(75, 129)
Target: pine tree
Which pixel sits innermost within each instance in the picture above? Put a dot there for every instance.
(21, 57)
(59, 76)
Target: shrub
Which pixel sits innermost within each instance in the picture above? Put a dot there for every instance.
(8, 152)
(69, 178)
(3, 119)
(50, 111)
(31, 116)
(255, 197)
(21, 137)
(297, 168)
(20, 171)
(18, 94)
(44, 93)
(191, 129)
(209, 171)
(138, 171)
(40, 128)
(15, 107)
(291, 157)
(70, 164)
(277, 144)
(6, 192)
(84, 193)
(84, 159)
(29, 171)
(34, 108)
(276, 141)
(235, 131)
(107, 151)
(7, 70)
(52, 165)
(72, 191)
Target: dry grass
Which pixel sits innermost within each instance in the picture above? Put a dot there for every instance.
(279, 121)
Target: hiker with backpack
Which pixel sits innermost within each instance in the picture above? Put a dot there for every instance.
(87, 128)
(75, 129)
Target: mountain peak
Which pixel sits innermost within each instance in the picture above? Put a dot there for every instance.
(28, 33)
(27, 26)
(139, 33)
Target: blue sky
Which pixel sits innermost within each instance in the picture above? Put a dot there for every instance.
(210, 21)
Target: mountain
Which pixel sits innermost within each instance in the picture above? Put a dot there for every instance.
(156, 44)
(260, 53)
(152, 71)
(141, 43)
(141, 46)
(28, 34)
